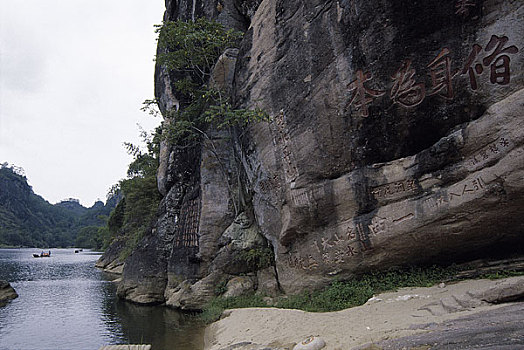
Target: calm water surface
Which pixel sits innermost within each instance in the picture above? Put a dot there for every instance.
(66, 303)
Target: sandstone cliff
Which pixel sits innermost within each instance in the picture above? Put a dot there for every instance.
(396, 138)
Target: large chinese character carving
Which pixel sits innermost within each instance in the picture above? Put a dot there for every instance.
(463, 7)
(405, 91)
(499, 64)
(472, 68)
(363, 95)
(498, 61)
(441, 77)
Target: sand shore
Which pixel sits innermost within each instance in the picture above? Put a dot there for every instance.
(397, 314)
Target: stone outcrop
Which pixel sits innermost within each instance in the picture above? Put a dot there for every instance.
(396, 138)
(6, 292)
(110, 260)
(500, 328)
(508, 290)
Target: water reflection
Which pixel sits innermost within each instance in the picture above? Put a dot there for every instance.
(171, 330)
(65, 303)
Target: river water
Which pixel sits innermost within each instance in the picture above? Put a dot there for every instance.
(66, 303)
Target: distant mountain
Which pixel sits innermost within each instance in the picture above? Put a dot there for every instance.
(28, 220)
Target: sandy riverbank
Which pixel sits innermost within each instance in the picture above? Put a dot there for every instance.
(389, 315)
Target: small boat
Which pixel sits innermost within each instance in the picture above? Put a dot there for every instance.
(42, 255)
(77, 251)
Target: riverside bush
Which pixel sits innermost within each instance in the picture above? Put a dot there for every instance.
(256, 258)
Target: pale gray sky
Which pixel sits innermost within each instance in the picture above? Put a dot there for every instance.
(73, 75)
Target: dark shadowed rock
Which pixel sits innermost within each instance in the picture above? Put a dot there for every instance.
(6, 292)
(144, 277)
(110, 260)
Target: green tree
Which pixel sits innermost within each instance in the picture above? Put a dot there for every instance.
(190, 50)
(27, 219)
(88, 238)
(134, 214)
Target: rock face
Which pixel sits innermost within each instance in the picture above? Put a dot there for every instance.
(110, 261)
(6, 292)
(396, 138)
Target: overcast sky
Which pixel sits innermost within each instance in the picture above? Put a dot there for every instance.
(73, 75)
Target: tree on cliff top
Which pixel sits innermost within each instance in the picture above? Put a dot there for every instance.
(190, 51)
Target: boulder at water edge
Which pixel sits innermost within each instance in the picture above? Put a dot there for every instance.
(6, 292)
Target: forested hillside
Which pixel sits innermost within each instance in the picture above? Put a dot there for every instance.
(28, 220)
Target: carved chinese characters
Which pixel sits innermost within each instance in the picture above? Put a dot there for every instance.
(402, 206)
(306, 196)
(463, 7)
(409, 91)
(391, 189)
(362, 95)
(498, 62)
(354, 239)
(405, 90)
(441, 76)
(282, 137)
(489, 152)
(462, 189)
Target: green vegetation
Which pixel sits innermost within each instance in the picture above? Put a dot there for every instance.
(27, 220)
(189, 50)
(134, 214)
(501, 274)
(89, 237)
(341, 295)
(256, 258)
(215, 307)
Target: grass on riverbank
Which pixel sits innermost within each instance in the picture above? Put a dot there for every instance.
(341, 295)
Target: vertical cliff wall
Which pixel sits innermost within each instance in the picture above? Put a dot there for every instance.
(396, 138)
(397, 131)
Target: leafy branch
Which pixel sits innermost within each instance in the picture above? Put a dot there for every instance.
(190, 51)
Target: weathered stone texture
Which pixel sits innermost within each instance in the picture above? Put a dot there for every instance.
(6, 292)
(110, 261)
(176, 262)
(144, 277)
(382, 150)
(238, 286)
(396, 138)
